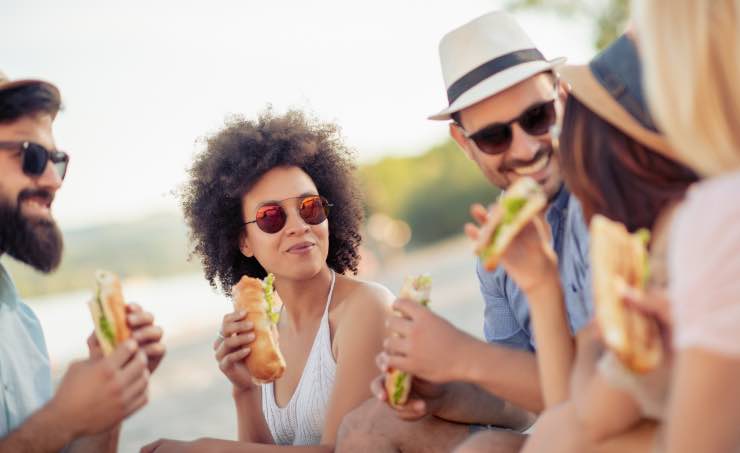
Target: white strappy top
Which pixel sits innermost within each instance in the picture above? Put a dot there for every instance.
(301, 421)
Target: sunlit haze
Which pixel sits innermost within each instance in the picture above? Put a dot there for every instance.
(143, 80)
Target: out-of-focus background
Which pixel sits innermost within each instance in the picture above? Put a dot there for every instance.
(142, 82)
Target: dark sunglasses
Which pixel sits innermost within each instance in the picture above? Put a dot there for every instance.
(35, 157)
(272, 217)
(496, 138)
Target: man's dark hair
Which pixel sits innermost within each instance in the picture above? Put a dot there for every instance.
(235, 158)
(612, 174)
(28, 100)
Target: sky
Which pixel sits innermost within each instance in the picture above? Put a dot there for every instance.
(143, 81)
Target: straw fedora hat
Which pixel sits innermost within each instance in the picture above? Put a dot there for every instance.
(484, 57)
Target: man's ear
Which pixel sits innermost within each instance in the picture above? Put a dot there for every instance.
(563, 92)
(244, 246)
(458, 134)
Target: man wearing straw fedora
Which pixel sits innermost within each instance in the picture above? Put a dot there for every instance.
(95, 395)
(503, 100)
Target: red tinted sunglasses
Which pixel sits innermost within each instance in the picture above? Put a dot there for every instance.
(272, 217)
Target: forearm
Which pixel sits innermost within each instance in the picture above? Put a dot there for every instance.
(45, 431)
(106, 442)
(508, 373)
(468, 403)
(705, 402)
(250, 419)
(602, 409)
(639, 439)
(229, 446)
(555, 345)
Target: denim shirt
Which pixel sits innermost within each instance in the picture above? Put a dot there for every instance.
(25, 374)
(507, 320)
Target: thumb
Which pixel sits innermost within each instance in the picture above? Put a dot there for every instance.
(123, 353)
(408, 308)
(479, 213)
(472, 232)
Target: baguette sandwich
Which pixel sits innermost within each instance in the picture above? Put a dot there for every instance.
(108, 312)
(618, 260)
(257, 297)
(519, 205)
(397, 382)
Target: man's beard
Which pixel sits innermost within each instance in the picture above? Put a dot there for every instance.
(35, 241)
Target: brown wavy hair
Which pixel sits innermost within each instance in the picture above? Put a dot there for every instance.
(612, 174)
(235, 158)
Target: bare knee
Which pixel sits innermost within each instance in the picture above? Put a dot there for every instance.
(363, 429)
(496, 441)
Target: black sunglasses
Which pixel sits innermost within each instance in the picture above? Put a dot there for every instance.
(496, 138)
(272, 217)
(35, 157)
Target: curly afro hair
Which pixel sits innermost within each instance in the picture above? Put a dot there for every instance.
(235, 158)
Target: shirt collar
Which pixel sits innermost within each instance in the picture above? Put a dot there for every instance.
(559, 203)
(8, 294)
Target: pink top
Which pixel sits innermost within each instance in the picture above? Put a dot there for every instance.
(704, 266)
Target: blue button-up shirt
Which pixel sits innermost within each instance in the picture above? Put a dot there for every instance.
(25, 375)
(507, 320)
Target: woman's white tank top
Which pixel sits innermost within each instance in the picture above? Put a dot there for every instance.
(301, 421)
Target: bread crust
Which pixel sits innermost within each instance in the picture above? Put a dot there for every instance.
(618, 260)
(109, 303)
(536, 201)
(396, 378)
(265, 362)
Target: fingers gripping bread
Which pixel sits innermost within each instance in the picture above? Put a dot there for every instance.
(108, 311)
(265, 362)
(619, 259)
(518, 205)
(397, 382)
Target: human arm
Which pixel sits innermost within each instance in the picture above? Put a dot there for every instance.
(230, 353)
(704, 292)
(705, 403)
(432, 349)
(149, 339)
(601, 409)
(93, 397)
(559, 431)
(359, 335)
(210, 445)
(532, 264)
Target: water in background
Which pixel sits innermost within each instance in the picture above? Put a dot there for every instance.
(189, 398)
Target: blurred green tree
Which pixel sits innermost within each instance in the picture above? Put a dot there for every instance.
(610, 16)
(432, 192)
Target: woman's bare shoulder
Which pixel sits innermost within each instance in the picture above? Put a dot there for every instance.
(364, 298)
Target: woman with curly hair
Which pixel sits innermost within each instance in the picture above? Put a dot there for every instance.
(276, 195)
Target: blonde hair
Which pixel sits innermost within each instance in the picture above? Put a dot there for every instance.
(691, 53)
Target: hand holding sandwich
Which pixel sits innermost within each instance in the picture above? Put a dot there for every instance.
(232, 351)
(528, 258)
(425, 344)
(97, 394)
(248, 349)
(115, 322)
(143, 330)
(425, 398)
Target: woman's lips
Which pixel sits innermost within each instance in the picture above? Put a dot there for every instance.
(300, 248)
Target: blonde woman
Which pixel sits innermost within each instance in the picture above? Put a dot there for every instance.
(691, 50)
